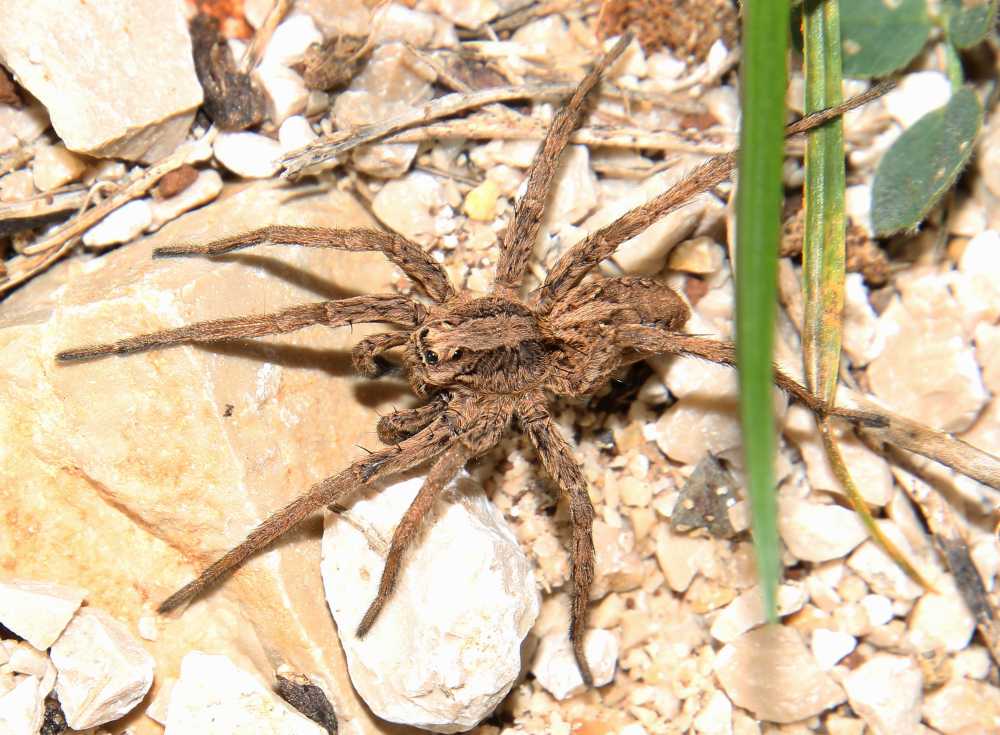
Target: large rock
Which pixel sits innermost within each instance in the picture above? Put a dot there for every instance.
(117, 76)
(125, 476)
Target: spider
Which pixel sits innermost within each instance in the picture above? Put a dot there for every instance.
(481, 362)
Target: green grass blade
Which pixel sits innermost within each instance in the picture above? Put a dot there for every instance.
(758, 224)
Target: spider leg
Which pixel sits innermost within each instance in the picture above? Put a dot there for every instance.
(400, 424)
(409, 257)
(392, 309)
(366, 355)
(407, 454)
(519, 239)
(557, 457)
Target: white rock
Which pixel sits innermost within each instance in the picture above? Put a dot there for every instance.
(54, 166)
(22, 125)
(916, 95)
(978, 289)
(433, 658)
(22, 709)
(555, 666)
(396, 22)
(284, 90)
(698, 255)
(941, 621)
(215, 697)
(576, 191)
(881, 573)
(863, 341)
(290, 41)
(878, 608)
(886, 691)
(103, 671)
(818, 532)
(250, 155)
(829, 646)
(858, 205)
(963, 706)
(467, 13)
(295, 132)
(26, 659)
(716, 717)
(409, 205)
(17, 186)
(38, 611)
(125, 223)
(793, 687)
(680, 556)
(117, 77)
(202, 190)
(747, 611)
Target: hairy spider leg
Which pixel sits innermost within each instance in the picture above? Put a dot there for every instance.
(407, 255)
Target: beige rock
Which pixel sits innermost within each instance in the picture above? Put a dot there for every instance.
(771, 672)
(137, 468)
(863, 341)
(117, 77)
(215, 697)
(555, 666)
(409, 205)
(941, 620)
(202, 190)
(576, 193)
(881, 573)
(618, 567)
(886, 691)
(829, 646)
(21, 125)
(700, 255)
(23, 707)
(680, 556)
(747, 611)
(54, 166)
(467, 13)
(38, 611)
(716, 717)
(818, 532)
(125, 223)
(963, 706)
(26, 659)
(250, 155)
(104, 672)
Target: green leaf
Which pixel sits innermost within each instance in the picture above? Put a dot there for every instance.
(969, 20)
(881, 36)
(758, 227)
(924, 162)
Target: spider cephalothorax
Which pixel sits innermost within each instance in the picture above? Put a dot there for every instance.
(481, 362)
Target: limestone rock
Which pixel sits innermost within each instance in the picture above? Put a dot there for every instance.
(941, 620)
(830, 646)
(117, 77)
(963, 706)
(125, 223)
(213, 696)
(881, 573)
(771, 672)
(250, 155)
(23, 707)
(886, 691)
(37, 611)
(103, 671)
(818, 532)
(141, 469)
(555, 665)
(54, 166)
(446, 647)
(747, 611)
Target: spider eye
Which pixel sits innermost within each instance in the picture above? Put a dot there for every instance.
(430, 357)
(456, 354)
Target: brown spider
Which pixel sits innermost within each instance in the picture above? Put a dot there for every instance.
(481, 362)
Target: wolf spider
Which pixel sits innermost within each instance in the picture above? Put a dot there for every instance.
(481, 362)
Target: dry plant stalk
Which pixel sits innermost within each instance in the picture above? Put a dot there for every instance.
(482, 362)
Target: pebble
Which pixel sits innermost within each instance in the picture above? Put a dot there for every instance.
(103, 671)
(963, 706)
(941, 620)
(830, 646)
(21, 125)
(916, 95)
(22, 709)
(284, 90)
(481, 202)
(410, 204)
(204, 189)
(433, 659)
(26, 659)
(977, 289)
(818, 532)
(886, 691)
(747, 611)
(863, 341)
(17, 186)
(716, 717)
(576, 191)
(295, 132)
(881, 573)
(700, 255)
(38, 611)
(125, 223)
(396, 22)
(54, 166)
(555, 667)
(213, 696)
(680, 556)
(618, 567)
(794, 687)
(878, 608)
(467, 13)
(250, 155)
(290, 41)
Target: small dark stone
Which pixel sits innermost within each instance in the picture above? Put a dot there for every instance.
(308, 699)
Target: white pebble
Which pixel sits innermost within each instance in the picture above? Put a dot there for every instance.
(125, 223)
(556, 669)
(916, 95)
(818, 532)
(409, 205)
(941, 621)
(54, 166)
(886, 692)
(17, 186)
(878, 609)
(215, 697)
(747, 611)
(26, 659)
(284, 90)
(716, 717)
(22, 709)
(881, 573)
(203, 189)
(290, 41)
(249, 155)
(103, 671)
(38, 611)
(295, 132)
(829, 646)
(467, 13)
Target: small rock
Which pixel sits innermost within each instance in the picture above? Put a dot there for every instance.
(878, 608)
(770, 672)
(38, 611)
(716, 717)
(977, 289)
(204, 189)
(250, 155)
(617, 565)
(290, 41)
(635, 492)
(881, 573)
(481, 202)
(17, 186)
(117, 77)
(576, 192)
(103, 671)
(886, 692)
(215, 697)
(916, 95)
(963, 706)
(172, 183)
(409, 205)
(829, 646)
(467, 13)
(700, 255)
(818, 532)
(22, 709)
(284, 90)
(21, 125)
(747, 611)
(54, 166)
(125, 223)
(555, 666)
(396, 22)
(863, 341)
(680, 556)
(941, 620)
(433, 659)
(26, 659)
(295, 132)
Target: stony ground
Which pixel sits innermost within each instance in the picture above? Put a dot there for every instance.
(150, 466)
